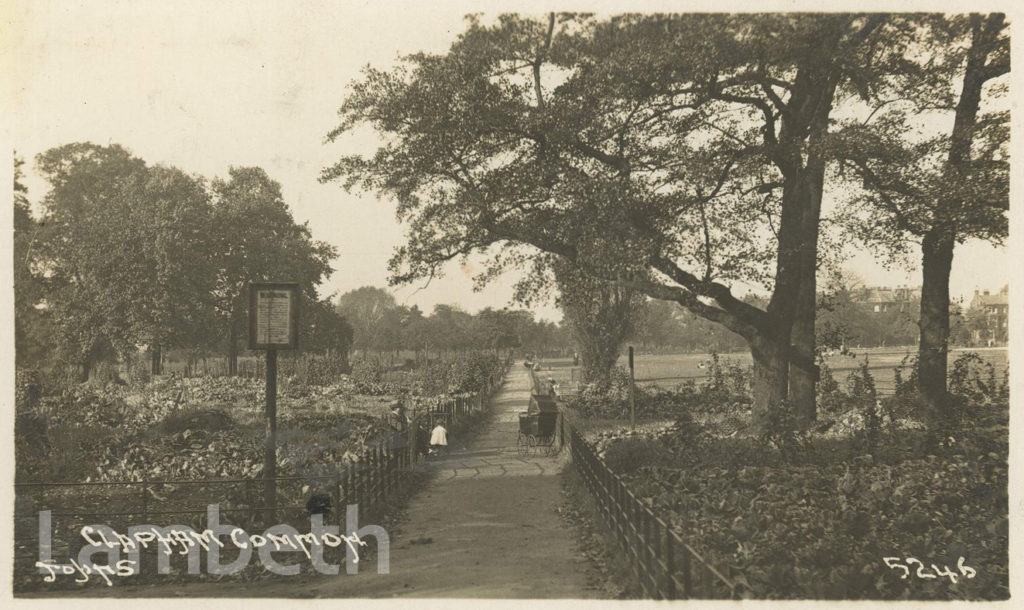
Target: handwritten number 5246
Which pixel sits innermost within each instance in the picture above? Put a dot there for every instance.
(922, 572)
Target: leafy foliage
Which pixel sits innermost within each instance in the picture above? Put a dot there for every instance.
(973, 381)
(816, 525)
(812, 515)
(462, 375)
(942, 188)
(313, 369)
(726, 392)
(600, 316)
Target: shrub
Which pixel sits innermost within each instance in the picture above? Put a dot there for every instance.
(200, 419)
(728, 385)
(105, 373)
(727, 391)
(368, 377)
(628, 454)
(777, 525)
(876, 416)
(138, 369)
(28, 389)
(783, 432)
(974, 381)
(314, 369)
(831, 398)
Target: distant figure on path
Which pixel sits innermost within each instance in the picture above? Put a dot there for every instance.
(439, 439)
(398, 415)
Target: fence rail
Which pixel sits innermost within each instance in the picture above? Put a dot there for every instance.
(369, 481)
(664, 565)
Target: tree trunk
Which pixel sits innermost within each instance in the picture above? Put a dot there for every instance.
(598, 360)
(937, 244)
(232, 350)
(86, 369)
(154, 364)
(936, 261)
(771, 376)
(802, 380)
(803, 373)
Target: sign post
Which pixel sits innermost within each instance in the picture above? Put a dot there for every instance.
(273, 325)
(632, 392)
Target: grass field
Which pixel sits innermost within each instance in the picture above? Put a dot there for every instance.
(668, 370)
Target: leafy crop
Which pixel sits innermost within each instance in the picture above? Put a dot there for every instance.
(813, 514)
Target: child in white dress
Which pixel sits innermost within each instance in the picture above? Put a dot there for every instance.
(439, 439)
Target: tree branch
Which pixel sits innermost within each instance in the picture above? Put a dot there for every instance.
(540, 60)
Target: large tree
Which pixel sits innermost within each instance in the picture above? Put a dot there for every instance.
(259, 240)
(31, 327)
(126, 249)
(324, 329)
(87, 231)
(168, 269)
(677, 155)
(942, 189)
(367, 309)
(497, 329)
(600, 316)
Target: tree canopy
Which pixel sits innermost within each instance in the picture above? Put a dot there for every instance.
(941, 188)
(126, 255)
(678, 155)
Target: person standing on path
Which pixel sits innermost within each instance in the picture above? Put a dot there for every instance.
(439, 439)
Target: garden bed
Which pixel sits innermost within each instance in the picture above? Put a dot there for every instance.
(860, 507)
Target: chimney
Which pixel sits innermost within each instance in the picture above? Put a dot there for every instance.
(986, 293)
(975, 292)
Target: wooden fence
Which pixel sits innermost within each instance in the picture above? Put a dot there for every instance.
(663, 564)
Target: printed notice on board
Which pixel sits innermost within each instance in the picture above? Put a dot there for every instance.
(273, 316)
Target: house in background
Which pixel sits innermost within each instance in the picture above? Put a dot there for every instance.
(989, 315)
(902, 299)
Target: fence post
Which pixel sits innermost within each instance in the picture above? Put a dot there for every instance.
(379, 484)
(670, 584)
(382, 472)
(410, 433)
(365, 466)
(336, 496)
(385, 479)
(352, 492)
(374, 474)
(390, 472)
(145, 501)
(251, 502)
(387, 470)
(687, 575)
(651, 555)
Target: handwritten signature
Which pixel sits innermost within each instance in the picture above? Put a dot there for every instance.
(922, 572)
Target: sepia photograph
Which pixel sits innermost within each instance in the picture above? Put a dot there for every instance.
(408, 301)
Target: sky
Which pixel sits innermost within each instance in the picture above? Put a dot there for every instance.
(206, 86)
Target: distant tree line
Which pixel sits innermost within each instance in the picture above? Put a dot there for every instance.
(843, 320)
(382, 328)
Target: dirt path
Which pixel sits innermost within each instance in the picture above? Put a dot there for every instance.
(490, 518)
